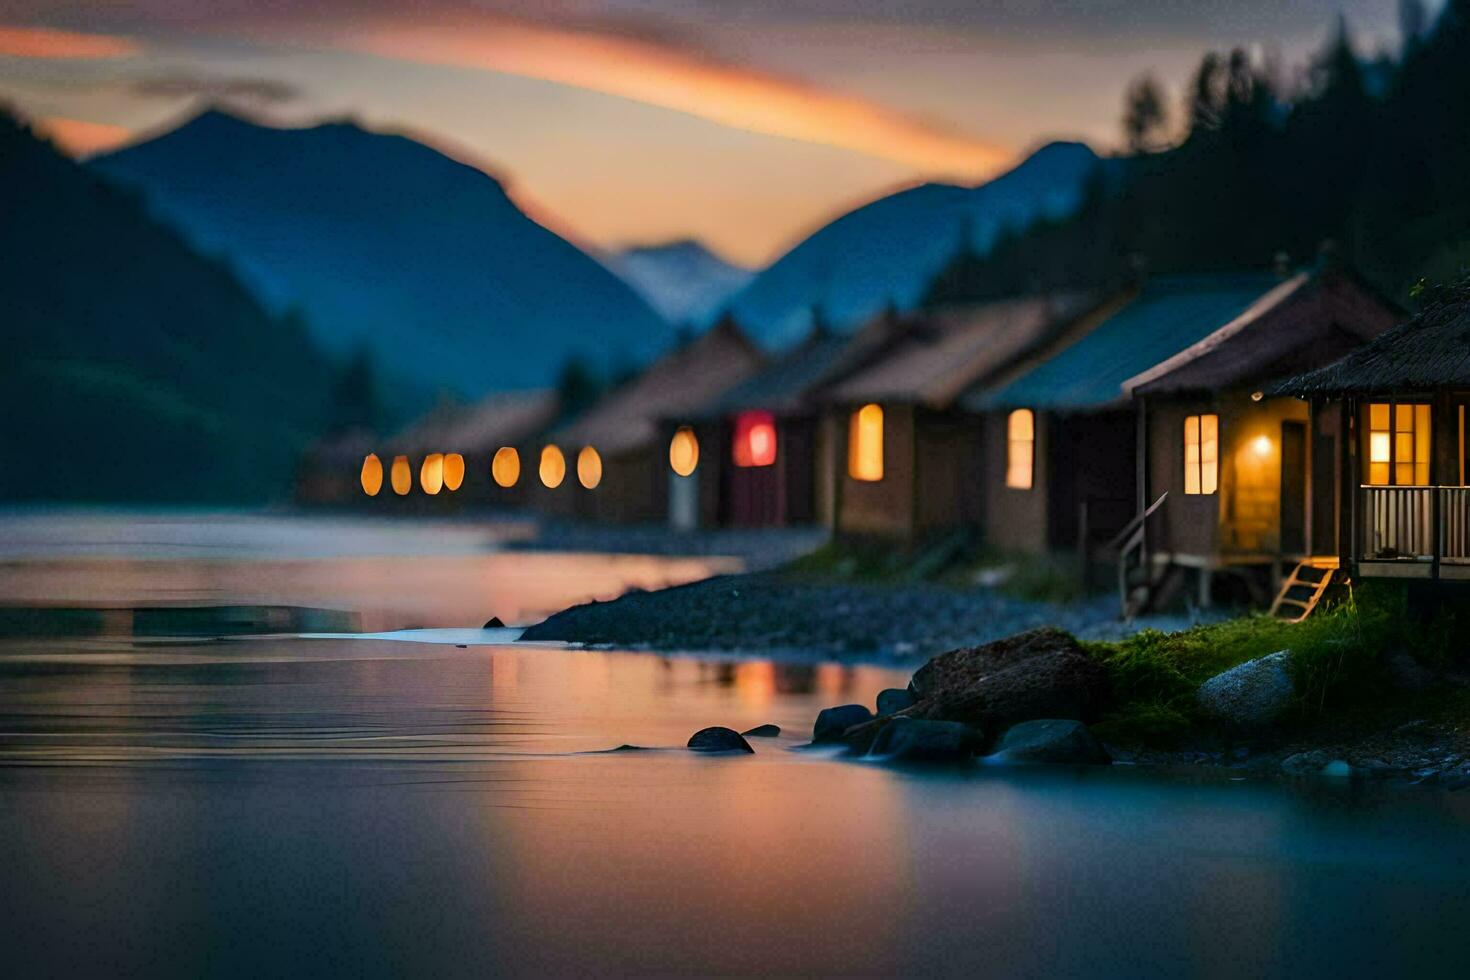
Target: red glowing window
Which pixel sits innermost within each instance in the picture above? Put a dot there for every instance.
(755, 439)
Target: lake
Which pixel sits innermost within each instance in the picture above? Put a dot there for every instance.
(175, 805)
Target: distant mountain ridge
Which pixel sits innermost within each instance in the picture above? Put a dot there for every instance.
(383, 241)
(683, 280)
(133, 368)
(890, 249)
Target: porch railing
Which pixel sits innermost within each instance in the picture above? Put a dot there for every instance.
(1415, 524)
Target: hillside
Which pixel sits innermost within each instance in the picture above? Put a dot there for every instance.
(134, 368)
(383, 241)
(889, 250)
(683, 280)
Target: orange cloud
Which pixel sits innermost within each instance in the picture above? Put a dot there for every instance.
(80, 138)
(663, 76)
(42, 42)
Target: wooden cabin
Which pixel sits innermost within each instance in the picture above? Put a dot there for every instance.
(616, 458)
(1244, 481)
(770, 457)
(1400, 404)
(1060, 434)
(910, 462)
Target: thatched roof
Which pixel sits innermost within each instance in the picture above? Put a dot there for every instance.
(1432, 350)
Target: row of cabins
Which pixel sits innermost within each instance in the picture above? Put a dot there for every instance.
(1155, 425)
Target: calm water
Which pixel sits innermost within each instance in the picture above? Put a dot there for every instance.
(279, 806)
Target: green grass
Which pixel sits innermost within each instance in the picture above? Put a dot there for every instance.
(1337, 660)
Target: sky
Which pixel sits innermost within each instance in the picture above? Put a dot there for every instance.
(743, 123)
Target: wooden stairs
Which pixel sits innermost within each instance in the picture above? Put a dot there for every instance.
(1304, 588)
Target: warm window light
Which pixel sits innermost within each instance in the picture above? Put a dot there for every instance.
(372, 475)
(401, 475)
(589, 468)
(1020, 448)
(453, 471)
(1398, 444)
(431, 473)
(1202, 454)
(865, 444)
(684, 452)
(754, 442)
(505, 468)
(553, 467)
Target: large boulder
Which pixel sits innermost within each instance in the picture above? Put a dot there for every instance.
(718, 740)
(1251, 695)
(833, 722)
(1051, 740)
(894, 700)
(1043, 673)
(918, 740)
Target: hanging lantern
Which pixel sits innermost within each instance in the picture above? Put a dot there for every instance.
(372, 475)
(684, 451)
(505, 468)
(589, 468)
(431, 473)
(453, 471)
(402, 476)
(553, 467)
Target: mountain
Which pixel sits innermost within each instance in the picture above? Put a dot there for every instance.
(888, 250)
(682, 280)
(383, 241)
(135, 369)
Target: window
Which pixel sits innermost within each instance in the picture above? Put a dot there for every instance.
(1398, 444)
(754, 442)
(1020, 448)
(865, 444)
(1201, 454)
(684, 451)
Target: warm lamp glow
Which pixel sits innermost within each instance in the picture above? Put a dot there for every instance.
(865, 444)
(754, 442)
(589, 468)
(553, 467)
(1261, 445)
(402, 476)
(431, 473)
(684, 451)
(453, 471)
(372, 475)
(505, 468)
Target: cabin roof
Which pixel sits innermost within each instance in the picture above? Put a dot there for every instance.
(939, 353)
(677, 384)
(790, 381)
(500, 419)
(1167, 316)
(1431, 350)
(1306, 321)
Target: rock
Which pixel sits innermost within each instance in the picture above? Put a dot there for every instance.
(763, 731)
(893, 700)
(833, 722)
(1305, 763)
(1406, 673)
(917, 740)
(1251, 695)
(718, 740)
(1050, 740)
(494, 623)
(1043, 673)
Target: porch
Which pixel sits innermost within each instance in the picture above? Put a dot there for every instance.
(1415, 532)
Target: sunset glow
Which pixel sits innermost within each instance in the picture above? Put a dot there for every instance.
(41, 42)
(80, 138)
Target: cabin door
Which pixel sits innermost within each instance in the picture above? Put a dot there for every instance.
(1293, 488)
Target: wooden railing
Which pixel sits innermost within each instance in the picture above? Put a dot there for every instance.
(1415, 524)
(1135, 572)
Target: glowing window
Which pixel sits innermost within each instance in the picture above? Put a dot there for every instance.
(505, 468)
(684, 451)
(1202, 454)
(754, 442)
(553, 467)
(401, 475)
(1398, 444)
(589, 468)
(372, 475)
(1020, 448)
(453, 471)
(865, 444)
(431, 473)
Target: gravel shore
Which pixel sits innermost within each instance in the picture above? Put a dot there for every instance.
(774, 611)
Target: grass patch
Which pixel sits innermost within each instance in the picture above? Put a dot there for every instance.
(1338, 659)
